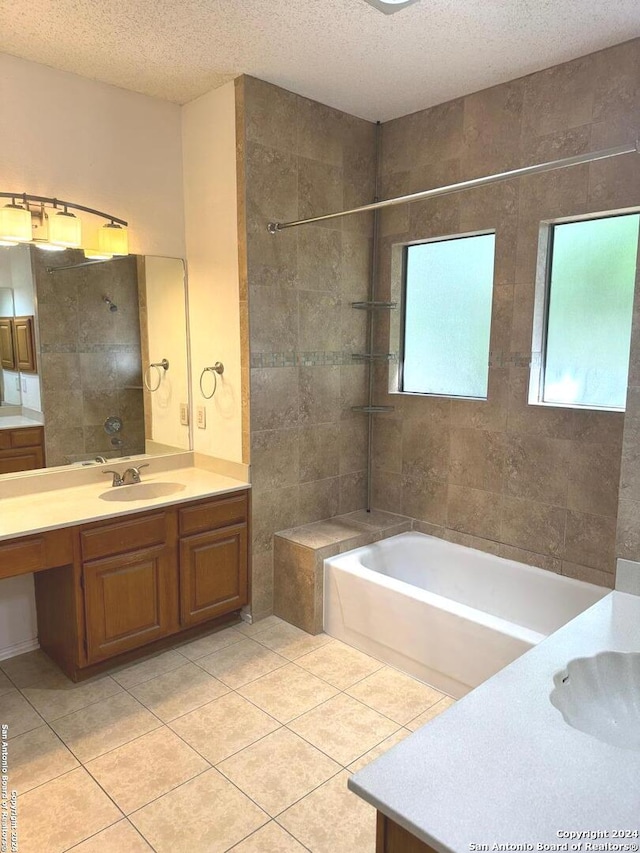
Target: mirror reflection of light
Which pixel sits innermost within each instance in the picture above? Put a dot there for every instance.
(568, 389)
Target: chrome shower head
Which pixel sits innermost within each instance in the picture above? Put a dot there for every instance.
(111, 305)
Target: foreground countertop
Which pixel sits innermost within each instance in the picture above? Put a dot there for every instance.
(502, 767)
(63, 507)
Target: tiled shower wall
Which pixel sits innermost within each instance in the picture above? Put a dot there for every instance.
(308, 449)
(536, 483)
(90, 357)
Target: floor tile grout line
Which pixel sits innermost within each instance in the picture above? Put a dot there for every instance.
(104, 828)
(130, 814)
(259, 829)
(93, 835)
(69, 713)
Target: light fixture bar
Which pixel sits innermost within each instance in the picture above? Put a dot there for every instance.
(57, 202)
(473, 183)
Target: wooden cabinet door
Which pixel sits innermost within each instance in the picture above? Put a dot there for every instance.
(130, 600)
(213, 574)
(7, 355)
(27, 459)
(24, 344)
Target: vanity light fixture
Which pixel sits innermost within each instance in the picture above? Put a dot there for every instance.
(65, 230)
(15, 222)
(113, 239)
(390, 6)
(48, 224)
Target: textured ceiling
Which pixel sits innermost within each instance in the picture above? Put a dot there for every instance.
(342, 52)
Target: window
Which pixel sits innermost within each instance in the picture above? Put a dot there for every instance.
(448, 289)
(589, 289)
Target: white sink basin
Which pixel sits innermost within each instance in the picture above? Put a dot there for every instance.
(141, 491)
(600, 696)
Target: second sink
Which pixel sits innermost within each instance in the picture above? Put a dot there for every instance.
(600, 696)
(141, 491)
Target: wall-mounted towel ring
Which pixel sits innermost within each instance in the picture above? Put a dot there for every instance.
(217, 370)
(164, 364)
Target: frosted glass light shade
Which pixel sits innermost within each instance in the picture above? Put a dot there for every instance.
(15, 224)
(65, 230)
(48, 247)
(97, 255)
(113, 239)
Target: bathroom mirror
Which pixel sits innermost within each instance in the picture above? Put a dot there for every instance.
(112, 374)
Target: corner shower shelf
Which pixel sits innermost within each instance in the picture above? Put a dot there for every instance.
(372, 410)
(369, 306)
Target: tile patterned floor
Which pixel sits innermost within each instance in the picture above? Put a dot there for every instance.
(242, 740)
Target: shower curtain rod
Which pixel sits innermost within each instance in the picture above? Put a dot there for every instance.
(274, 227)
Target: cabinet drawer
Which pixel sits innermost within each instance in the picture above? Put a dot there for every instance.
(211, 514)
(5, 439)
(29, 437)
(122, 536)
(50, 549)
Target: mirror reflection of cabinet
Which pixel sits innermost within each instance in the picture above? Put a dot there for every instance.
(7, 355)
(24, 345)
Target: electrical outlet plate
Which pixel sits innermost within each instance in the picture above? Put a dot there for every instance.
(202, 417)
(184, 414)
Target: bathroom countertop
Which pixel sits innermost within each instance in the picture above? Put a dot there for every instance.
(18, 421)
(63, 507)
(501, 766)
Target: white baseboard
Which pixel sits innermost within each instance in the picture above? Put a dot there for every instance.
(19, 648)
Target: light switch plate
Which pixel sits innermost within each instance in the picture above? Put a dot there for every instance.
(184, 414)
(201, 417)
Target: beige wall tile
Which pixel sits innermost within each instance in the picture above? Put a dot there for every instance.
(533, 526)
(319, 451)
(586, 573)
(297, 594)
(275, 459)
(477, 459)
(590, 540)
(474, 511)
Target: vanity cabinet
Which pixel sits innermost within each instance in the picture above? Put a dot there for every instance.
(135, 581)
(213, 559)
(393, 838)
(21, 449)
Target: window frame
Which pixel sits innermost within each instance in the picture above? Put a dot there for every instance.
(400, 253)
(542, 306)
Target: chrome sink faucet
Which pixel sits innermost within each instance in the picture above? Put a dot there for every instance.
(128, 478)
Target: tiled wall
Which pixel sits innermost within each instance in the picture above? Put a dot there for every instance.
(90, 357)
(539, 484)
(308, 450)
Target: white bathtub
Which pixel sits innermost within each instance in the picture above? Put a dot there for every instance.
(449, 615)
